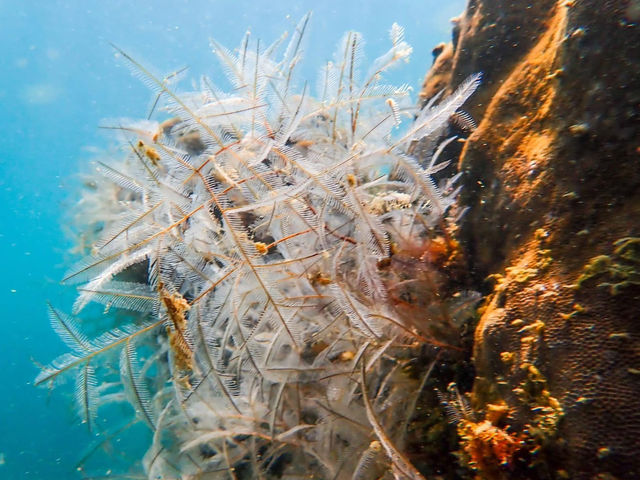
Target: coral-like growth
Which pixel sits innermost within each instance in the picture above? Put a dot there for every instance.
(261, 237)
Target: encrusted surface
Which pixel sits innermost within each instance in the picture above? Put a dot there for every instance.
(552, 177)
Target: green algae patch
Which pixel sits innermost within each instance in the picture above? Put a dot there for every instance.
(616, 271)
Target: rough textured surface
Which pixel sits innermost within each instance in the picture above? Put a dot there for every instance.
(552, 179)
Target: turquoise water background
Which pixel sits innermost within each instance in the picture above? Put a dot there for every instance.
(59, 80)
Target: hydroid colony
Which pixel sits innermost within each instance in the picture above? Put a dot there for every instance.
(272, 248)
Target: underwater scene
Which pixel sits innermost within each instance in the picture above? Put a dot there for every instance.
(320, 240)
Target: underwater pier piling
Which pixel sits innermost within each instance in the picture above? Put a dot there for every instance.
(552, 181)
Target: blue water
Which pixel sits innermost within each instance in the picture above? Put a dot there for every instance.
(58, 81)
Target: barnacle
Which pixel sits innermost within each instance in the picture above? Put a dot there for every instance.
(249, 236)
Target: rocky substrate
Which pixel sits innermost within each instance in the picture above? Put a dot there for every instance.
(552, 235)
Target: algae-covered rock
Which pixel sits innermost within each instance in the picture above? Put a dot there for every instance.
(552, 180)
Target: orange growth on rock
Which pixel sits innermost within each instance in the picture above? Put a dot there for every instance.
(489, 448)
